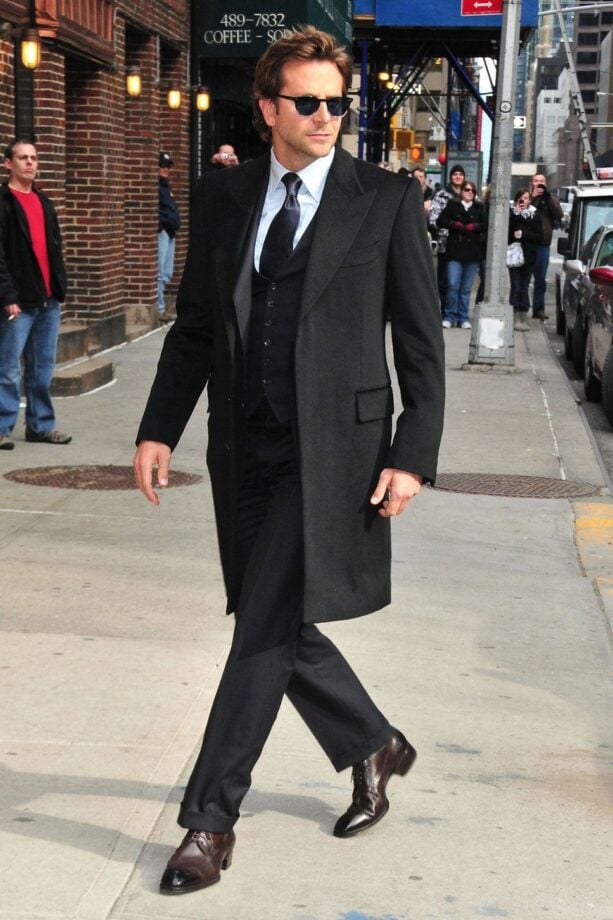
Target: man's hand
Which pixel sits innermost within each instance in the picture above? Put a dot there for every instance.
(150, 454)
(13, 310)
(395, 490)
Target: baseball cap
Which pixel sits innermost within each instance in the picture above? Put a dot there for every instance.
(165, 159)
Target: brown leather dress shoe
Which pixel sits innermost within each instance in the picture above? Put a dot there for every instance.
(370, 779)
(197, 862)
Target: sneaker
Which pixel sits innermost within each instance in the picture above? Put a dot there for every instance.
(48, 437)
(520, 325)
(542, 316)
(6, 442)
(465, 325)
(446, 324)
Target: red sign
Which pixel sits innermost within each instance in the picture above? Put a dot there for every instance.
(481, 7)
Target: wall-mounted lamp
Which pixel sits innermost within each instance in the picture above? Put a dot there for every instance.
(30, 48)
(134, 84)
(203, 98)
(391, 85)
(383, 76)
(173, 98)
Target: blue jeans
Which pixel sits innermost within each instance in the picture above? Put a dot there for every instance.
(540, 278)
(166, 263)
(33, 335)
(460, 277)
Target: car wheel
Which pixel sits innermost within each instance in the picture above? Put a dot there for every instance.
(607, 387)
(560, 318)
(591, 383)
(578, 346)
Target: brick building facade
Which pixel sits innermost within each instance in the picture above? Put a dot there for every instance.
(98, 147)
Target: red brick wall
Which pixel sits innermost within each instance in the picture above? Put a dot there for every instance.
(7, 88)
(99, 154)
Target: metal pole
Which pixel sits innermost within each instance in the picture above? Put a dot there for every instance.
(492, 336)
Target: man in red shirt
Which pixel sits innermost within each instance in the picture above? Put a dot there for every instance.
(32, 284)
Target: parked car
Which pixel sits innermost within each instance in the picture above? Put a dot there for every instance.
(598, 377)
(578, 291)
(592, 206)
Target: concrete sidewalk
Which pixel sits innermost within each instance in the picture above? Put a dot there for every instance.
(494, 659)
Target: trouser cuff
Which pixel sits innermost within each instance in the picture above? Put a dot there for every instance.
(201, 821)
(357, 754)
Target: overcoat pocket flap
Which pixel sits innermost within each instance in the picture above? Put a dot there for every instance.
(375, 403)
(361, 255)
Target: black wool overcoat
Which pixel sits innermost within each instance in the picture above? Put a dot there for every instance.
(369, 259)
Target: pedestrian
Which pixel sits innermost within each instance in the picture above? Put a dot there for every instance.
(525, 227)
(289, 336)
(32, 285)
(464, 221)
(225, 156)
(168, 224)
(551, 213)
(439, 203)
(420, 174)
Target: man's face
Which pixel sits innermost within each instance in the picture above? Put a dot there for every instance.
(297, 139)
(420, 174)
(457, 178)
(535, 182)
(164, 172)
(24, 164)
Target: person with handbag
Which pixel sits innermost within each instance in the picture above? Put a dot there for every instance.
(465, 222)
(525, 228)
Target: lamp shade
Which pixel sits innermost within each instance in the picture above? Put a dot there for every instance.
(134, 83)
(30, 49)
(203, 99)
(173, 98)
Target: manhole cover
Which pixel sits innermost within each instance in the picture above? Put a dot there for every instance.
(513, 486)
(90, 477)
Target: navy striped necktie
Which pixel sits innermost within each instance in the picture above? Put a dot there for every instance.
(278, 244)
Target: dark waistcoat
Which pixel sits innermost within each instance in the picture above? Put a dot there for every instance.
(272, 334)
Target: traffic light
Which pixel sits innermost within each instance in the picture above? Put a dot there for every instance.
(417, 152)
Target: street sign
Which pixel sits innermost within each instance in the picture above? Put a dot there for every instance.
(519, 122)
(481, 7)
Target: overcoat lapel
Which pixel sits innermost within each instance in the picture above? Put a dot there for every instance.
(342, 211)
(249, 194)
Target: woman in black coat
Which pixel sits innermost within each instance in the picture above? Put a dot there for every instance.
(465, 220)
(525, 227)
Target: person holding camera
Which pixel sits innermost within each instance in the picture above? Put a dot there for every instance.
(224, 157)
(550, 213)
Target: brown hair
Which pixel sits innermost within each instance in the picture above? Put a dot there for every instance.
(304, 43)
(520, 194)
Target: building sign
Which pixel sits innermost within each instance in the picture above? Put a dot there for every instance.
(246, 29)
(442, 14)
(481, 7)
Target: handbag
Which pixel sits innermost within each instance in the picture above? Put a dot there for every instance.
(515, 255)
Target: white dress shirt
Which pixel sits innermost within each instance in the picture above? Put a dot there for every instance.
(309, 195)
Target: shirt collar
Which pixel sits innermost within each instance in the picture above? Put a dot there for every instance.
(313, 176)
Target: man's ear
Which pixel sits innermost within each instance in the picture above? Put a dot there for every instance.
(268, 110)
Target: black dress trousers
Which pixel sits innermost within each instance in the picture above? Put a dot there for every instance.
(273, 652)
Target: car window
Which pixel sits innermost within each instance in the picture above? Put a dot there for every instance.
(605, 254)
(595, 214)
(588, 250)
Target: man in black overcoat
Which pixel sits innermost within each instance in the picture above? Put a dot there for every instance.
(295, 261)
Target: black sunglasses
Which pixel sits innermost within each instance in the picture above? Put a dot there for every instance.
(308, 105)
(469, 188)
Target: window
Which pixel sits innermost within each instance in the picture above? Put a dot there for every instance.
(588, 250)
(588, 38)
(596, 214)
(605, 256)
(587, 57)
